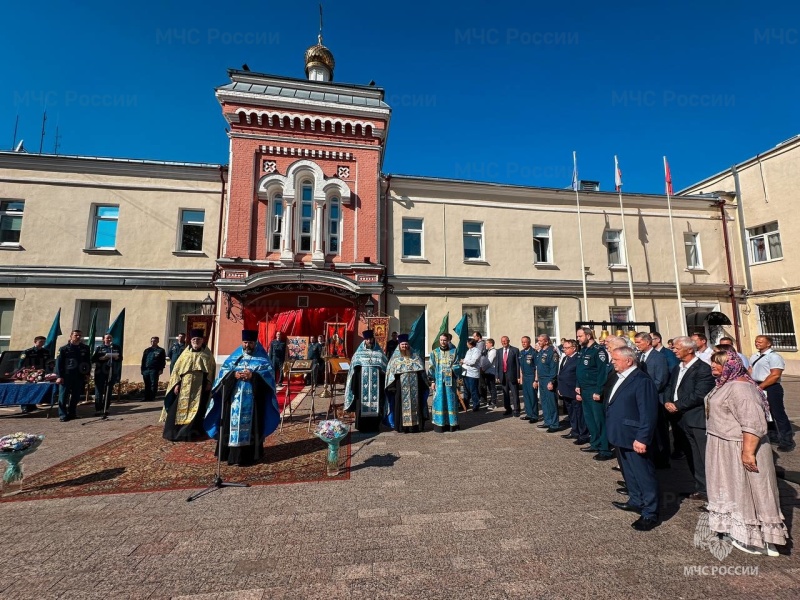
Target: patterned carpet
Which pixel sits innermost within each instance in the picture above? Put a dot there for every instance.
(143, 461)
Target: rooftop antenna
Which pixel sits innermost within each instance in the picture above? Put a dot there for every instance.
(56, 144)
(41, 139)
(319, 37)
(16, 124)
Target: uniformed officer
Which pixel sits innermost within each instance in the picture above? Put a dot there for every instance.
(527, 366)
(546, 371)
(591, 375)
(277, 354)
(107, 358)
(315, 350)
(154, 359)
(766, 369)
(175, 350)
(73, 366)
(35, 357)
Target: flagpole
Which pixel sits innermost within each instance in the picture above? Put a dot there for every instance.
(625, 240)
(575, 185)
(681, 317)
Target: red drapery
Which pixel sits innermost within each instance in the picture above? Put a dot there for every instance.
(302, 321)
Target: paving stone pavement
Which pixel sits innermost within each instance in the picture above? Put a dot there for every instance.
(499, 510)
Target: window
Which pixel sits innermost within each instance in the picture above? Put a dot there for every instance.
(191, 239)
(177, 318)
(542, 249)
(104, 227)
(412, 238)
(616, 253)
(619, 314)
(6, 317)
(691, 242)
(306, 217)
(776, 321)
(10, 221)
(473, 240)
(85, 310)
(764, 243)
(477, 319)
(408, 314)
(334, 218)
(275, 226)
(544, 321)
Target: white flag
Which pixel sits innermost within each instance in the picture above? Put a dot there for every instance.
(617, 174)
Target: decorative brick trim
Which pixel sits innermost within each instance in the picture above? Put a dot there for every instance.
(305, 153)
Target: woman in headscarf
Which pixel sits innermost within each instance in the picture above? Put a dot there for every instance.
(742, 490)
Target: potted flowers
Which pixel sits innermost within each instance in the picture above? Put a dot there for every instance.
(13, 448)
(332, 432)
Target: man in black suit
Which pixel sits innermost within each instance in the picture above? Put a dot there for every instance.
(655, 364)
(506, 364)
(565, 383)
(631, 416)
(691, 381)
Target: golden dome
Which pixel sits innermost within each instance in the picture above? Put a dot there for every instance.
(319, 55)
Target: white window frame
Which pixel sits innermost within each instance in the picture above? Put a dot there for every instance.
(6, 339)
(83, 317)
(96, 219)
(175, 319)
(11, 213)
(549, 253)
(555, 334)
(275, 222)
(621, 241)
(334, 198)
(182, 223)
(480, 236)
(472, 326)
(692, 239)
(751, 237)
(306, 184)
(411, 230)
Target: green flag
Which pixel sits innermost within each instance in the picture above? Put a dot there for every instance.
(117, 330)
(416, 336)
(442, 329)
(463, 334)
(92, 330)
(52, 337)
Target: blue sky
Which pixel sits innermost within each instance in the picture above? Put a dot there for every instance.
(495, 91)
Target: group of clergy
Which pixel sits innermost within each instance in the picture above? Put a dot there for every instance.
(237, 406)
(396, 389)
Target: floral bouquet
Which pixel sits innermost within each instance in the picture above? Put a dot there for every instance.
(13, 448)
(332, 432)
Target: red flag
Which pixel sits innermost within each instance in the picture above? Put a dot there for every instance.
(668, 177)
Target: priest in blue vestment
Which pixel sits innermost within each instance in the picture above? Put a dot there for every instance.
(406, 389)
(364, 392)
(244, 392)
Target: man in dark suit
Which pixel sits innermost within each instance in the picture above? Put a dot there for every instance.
(565, 383)
(506, 364)
(631, 416)
(655, 364)
(691, 381)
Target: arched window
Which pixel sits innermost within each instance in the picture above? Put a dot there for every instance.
(275, 223)
(334, 224)
(305, 219)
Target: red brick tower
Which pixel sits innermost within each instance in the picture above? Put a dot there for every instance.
(300, 235)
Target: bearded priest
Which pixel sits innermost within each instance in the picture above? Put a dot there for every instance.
(364, 393)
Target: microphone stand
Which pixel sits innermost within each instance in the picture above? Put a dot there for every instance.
(106, 395)
(218, 481)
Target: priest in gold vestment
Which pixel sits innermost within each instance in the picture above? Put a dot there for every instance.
(188, 391)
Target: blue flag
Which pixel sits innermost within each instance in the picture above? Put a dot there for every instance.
(463, 334)
(52, 337)
(416, 337)
(117, 330)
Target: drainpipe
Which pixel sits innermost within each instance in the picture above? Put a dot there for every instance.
(731, 291)
(742, 229)
(385, 244)
(214, 276)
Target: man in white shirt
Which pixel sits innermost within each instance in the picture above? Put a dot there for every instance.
(704, 351)
(767, 368)
(472, 373)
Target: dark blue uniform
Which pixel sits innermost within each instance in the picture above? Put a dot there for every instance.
(592, 372)
(73, 365)
(154, 359)
(277, 354)
(315, 356)
(107, 373)
(547, 369)
(527, 367)
(174, 353)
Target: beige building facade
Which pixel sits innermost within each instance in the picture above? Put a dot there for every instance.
(761, 193)
(509, 257)
(81, 233)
